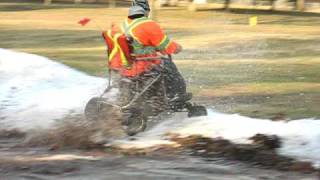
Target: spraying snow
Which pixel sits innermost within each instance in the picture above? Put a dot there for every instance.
(35, 91)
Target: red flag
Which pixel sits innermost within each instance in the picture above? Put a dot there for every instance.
(84, 21)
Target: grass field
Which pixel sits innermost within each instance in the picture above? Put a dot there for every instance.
(268, 71)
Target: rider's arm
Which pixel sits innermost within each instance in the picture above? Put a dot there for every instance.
(161, 41)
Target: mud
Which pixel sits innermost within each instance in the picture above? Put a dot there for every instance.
(14, 133)
(76, 132)
(210, 159)
(262, 152)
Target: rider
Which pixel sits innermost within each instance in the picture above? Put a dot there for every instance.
(146, 38)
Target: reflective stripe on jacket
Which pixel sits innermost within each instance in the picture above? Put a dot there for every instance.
(147, 39)
(147, 36)
(118, 50)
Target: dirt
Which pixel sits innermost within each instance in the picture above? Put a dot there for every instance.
(18, 161)
(76, 132)
(262, 152)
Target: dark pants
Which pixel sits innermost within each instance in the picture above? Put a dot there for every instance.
(175, 84)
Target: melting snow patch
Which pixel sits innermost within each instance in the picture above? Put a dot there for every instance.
(34, 91)
(301, 138)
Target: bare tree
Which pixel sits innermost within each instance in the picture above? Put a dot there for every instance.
(112, 3)
(227, 4)
(153, 13)
(300, 5)
(47, 2)
(77, 1)
(273, 5)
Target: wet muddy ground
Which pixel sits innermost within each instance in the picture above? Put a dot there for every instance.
(41, 163)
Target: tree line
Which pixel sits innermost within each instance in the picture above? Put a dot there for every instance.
(299, 4)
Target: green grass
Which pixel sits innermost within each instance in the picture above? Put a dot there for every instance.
(268, 71)
(280, 106)
(245, 72)
(257, 89)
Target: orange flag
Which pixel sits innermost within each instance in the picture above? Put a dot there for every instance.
(84, 21)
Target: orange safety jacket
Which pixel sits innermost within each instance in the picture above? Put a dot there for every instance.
(147, 39)
(118, 50)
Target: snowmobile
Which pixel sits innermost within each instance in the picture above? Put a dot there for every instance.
(139, 99)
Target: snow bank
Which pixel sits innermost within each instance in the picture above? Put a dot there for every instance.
(301, 138)
(34, 91)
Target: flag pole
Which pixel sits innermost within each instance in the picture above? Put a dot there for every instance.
(97, 25)
(85, 21)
